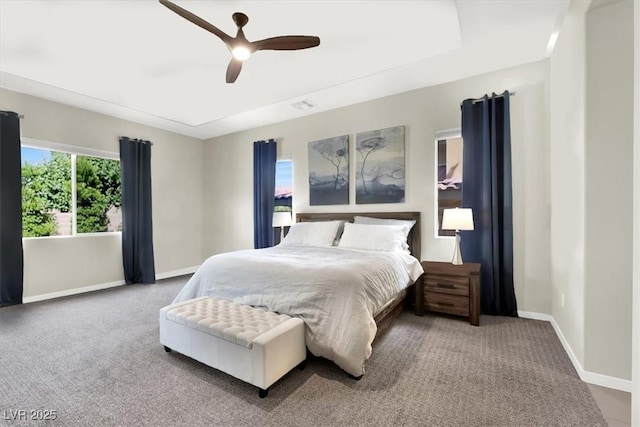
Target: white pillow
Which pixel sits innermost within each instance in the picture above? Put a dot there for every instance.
(313, 233)
(384, 221)
(374, 237)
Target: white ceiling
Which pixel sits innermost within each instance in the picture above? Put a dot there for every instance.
(139, 61)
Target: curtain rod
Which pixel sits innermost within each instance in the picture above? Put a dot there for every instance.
(474, 100)
(144, 141)
(6, 113)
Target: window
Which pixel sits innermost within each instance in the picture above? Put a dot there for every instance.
(449, 174)
(284, 186)
(67, 194)
(284, 191)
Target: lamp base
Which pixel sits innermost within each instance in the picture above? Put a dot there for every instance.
(457, 255)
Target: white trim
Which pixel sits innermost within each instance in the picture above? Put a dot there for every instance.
(176, 273)
(606, 381)
(551, 44)
(586, 376)
(74, 196)
(440, 135)
(635, 308)
(553, 38)
(449, 133)
(436, 193)
(74, 152)
(66, 148)
(75, 291)
(535, 316)
(73, 236)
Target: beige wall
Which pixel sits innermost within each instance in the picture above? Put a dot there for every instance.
(229, 197)
(62, 264)
(591, 162)
(567, 166)
(609, 190)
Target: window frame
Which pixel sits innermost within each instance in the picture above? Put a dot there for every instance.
(276, 231)
(439, 136)
(274, 196)
(73, 151)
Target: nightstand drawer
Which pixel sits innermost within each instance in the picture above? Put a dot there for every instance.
(445, 303)
(447, 284)
(449, 288)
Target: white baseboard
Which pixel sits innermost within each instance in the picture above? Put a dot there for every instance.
(75, 291)
(176, 273)
(586, 376)
(535, 316)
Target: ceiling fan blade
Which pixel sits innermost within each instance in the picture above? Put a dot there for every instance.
(233, 69)
(286, 43)
(197, 20)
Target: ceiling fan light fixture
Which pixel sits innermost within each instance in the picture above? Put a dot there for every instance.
(241, 48)
(241, 53)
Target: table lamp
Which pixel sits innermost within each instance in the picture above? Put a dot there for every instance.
(457, 219)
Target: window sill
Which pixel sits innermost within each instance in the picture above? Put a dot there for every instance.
(105, 233)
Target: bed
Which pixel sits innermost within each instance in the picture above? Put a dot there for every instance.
(346, 296)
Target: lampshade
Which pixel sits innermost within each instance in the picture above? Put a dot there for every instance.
(457, 219)
(281, 219)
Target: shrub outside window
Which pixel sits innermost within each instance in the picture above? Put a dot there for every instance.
(67, 194)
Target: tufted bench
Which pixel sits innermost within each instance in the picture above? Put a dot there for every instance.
(251, 344)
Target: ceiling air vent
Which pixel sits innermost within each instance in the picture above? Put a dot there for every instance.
(303, 105)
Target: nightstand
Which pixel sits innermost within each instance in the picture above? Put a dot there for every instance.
(451, 289)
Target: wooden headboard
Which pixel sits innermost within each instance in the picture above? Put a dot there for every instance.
(413, 240)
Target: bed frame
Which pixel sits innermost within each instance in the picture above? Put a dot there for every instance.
(393, 308)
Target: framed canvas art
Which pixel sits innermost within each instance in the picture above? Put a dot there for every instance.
(329, 171)
(380, 166)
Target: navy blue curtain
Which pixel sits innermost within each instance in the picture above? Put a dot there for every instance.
(486, 189)
(11, 258)
(137, 225)
(264, 190)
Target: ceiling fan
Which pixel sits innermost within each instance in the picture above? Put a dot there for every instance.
(240, 47)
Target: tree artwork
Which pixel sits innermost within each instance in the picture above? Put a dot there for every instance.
(380, 170)
(365, 148)
(329, 171)
(335, 155)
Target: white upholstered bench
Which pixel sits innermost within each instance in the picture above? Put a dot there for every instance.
(251, 344)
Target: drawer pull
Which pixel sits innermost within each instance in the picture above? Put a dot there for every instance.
(445, 304)
(445, 286)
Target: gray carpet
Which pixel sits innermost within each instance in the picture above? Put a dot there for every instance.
(95, 359)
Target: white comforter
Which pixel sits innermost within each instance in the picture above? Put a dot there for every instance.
(335, 291)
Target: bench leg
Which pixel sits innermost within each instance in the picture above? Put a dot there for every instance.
(353, 377)
(263, 393)
(167, 349)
